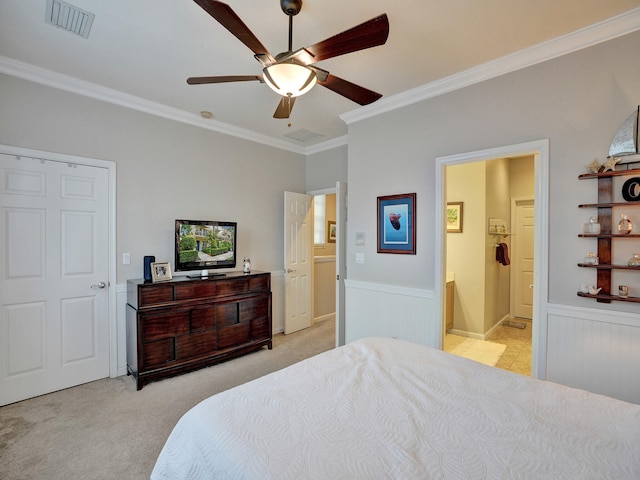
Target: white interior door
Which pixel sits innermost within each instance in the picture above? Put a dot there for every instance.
(54, 270)
(523, 259)
(341, 259)
(298, 261)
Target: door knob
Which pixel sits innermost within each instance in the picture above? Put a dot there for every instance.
(99, 285)
(288, 270)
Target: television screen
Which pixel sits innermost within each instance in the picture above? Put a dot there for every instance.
(204, 244)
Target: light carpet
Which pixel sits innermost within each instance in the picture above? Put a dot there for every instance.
(106, 430)
(479, 350)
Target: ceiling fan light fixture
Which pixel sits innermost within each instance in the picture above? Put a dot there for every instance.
(289, 79)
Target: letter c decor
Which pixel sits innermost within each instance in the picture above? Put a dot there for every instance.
(631, 190)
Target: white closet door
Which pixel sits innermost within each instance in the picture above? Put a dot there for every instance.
(54, 317)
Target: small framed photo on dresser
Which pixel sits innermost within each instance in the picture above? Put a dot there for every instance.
(161, 271)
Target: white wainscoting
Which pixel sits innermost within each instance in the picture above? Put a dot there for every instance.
(277, 309)
(596, 350)
(376, 310)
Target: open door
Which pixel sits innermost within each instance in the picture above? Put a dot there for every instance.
(298, 261)
(341, 258)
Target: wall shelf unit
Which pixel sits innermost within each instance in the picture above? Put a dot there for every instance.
(606, 236)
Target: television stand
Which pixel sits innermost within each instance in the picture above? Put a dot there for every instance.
(181, 325)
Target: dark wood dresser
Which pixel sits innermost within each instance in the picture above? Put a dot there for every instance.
(189, 323)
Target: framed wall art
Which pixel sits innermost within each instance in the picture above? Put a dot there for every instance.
(331, 231)
(397, 224)
(454, 217)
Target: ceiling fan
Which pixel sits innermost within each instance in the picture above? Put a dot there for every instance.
(293, 73)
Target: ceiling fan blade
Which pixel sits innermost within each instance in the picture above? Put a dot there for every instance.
(223, 79)
(353, 92)
(366, 35)
(226, 17)
(284, 107)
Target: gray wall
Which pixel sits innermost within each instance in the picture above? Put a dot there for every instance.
(165, 170)
(324, 169)
(577, 101)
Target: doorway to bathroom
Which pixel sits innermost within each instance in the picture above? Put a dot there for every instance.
(500, 194)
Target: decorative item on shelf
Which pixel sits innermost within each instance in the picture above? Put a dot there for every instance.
(593, 167)
(625, 142)
(148, 260)
(584, 288)
(631, 189)
(246, 265)
(610, 164)
(634, 261)
(160, 271)
(592, 227)
(624, 225)
(591, 259)
(593, 290)
(623, 291)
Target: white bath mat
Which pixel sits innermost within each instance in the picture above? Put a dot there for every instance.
(484, 352)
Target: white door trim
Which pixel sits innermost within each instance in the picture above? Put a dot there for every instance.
(540, 151)
(111, 168)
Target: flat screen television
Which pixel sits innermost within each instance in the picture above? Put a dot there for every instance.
(204, 245)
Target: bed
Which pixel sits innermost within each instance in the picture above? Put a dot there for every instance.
(385, 408)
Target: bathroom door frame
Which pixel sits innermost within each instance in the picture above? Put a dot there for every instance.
(540, 151)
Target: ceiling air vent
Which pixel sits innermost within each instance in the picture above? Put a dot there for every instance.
(303, 135)
(68, 17)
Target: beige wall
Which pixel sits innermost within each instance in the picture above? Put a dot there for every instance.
(497, 290)
(324, 274)
(465, 251)
(482, 284)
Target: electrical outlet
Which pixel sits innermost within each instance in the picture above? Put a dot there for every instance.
(126, 258)
(359, 257)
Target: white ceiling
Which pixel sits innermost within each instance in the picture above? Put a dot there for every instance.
(142, 51)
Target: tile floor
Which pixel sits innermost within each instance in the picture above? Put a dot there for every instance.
(517, 356)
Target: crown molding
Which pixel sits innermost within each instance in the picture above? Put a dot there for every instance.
(70, 84)
(609, 29)
(600, 32)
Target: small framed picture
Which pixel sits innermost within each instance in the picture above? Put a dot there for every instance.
(454, 217)
(160, 271)
(331, 232)
(397, 224)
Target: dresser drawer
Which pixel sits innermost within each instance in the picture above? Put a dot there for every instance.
(158, 353)
(169, 323)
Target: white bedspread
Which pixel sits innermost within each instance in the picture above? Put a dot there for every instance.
(384, 408)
